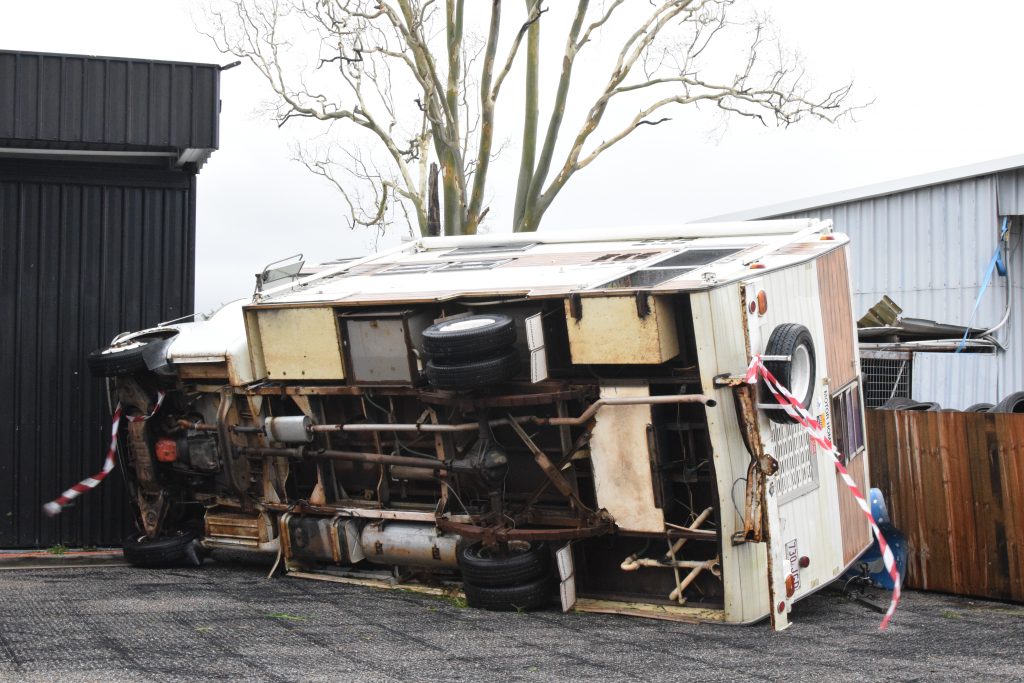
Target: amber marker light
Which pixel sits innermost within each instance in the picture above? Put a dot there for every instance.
(762, 302)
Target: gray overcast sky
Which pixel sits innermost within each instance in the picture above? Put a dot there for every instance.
(945, 77)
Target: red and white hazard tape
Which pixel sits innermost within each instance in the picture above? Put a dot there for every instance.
(793, 408)
(54, 507)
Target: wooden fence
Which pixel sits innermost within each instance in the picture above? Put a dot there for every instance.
(954, 483)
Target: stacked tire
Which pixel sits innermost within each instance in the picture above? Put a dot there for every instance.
(1014, 403)
(910, 404)
(470, 352)
(515, 579)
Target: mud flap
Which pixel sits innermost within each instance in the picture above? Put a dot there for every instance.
(566, 577)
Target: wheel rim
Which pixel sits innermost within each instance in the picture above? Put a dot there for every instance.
(468, 324)
(800, 372)
(119, 349)
(514, 548)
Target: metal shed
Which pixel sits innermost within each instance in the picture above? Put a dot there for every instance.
(926, 242)
(98, 163)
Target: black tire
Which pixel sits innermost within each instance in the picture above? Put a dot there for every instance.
(979, 408)
(473, 374)
(468, 338)
(1014, 403)
(482, 568)
(120, 359)
(525, 596)
(924, 406)
(790, 339)
(180, 549)
(898, 403)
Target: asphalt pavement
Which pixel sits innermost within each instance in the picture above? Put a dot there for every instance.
(226, 621)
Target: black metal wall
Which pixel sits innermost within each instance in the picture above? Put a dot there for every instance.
(86, 251)
(106, 103)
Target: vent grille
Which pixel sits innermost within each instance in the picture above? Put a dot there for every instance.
(798, 461)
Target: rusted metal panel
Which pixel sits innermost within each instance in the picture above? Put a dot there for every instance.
(620, 329)
(837, 318)
(203, 371)
(237, 528)
(955, 485)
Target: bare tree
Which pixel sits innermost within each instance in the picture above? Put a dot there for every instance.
(414, 86)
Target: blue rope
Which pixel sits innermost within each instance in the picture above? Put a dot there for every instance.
(993, 263)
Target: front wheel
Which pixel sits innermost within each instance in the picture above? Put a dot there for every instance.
(120, 359)
(177, 549)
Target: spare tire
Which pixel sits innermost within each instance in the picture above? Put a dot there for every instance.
(469, 337)
(1014, 403)
(798, 374)
(979, 408)
(472, 374)
(524, 562)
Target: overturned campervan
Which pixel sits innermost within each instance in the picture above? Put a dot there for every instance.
(519, 413)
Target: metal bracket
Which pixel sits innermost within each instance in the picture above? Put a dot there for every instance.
(576, 306)
(643, 306)
(727, 380)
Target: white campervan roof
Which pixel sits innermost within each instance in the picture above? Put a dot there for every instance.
(676, 258)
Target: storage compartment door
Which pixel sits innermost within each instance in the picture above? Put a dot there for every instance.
(621, 459)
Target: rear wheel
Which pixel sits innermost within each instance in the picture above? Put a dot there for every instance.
(489, 566)
(473, 374)
(519, 598)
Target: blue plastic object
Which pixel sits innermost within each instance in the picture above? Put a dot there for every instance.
(872, 557)
(995, 265)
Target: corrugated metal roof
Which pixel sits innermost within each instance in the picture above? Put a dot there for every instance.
(55, 102)
(1012, 163)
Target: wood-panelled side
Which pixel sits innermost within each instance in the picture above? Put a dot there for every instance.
(954, 483)
(837, 318)
(854, 525)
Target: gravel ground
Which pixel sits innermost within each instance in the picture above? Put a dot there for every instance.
(226, 621)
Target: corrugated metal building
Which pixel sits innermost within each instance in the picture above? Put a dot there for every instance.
(926, 242)
(98, 163)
